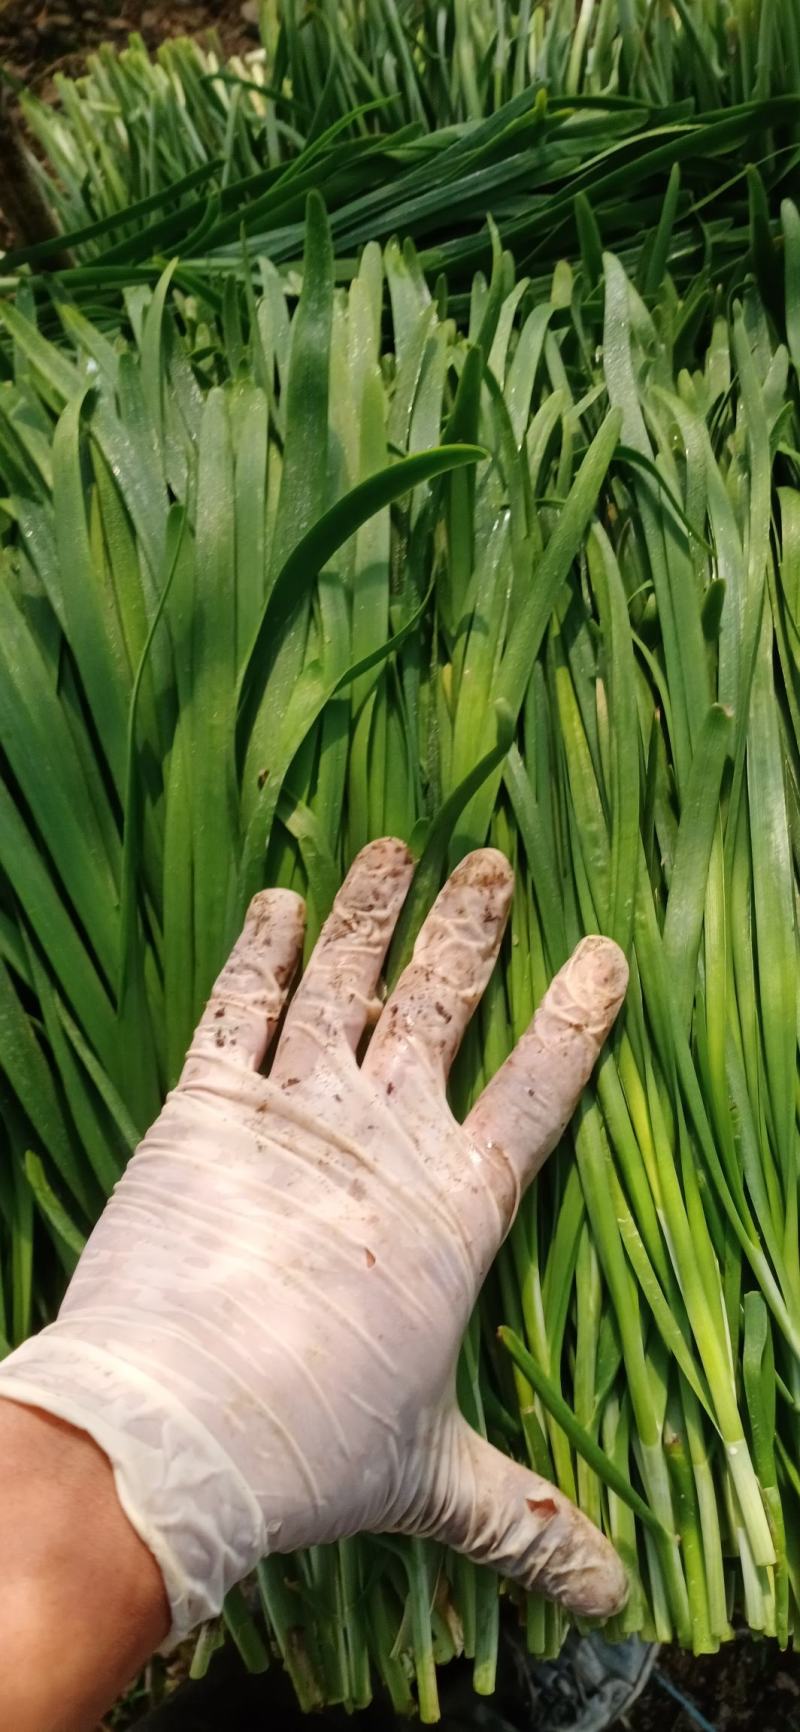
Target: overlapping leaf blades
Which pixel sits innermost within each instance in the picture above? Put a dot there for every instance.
(577, 635)
(154, 491)
(418, 119)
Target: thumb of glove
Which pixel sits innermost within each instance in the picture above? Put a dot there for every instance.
(499, 1513)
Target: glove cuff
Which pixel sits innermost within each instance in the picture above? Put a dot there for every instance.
(180, 1491)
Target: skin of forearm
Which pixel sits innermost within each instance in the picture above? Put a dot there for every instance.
(82, 1602)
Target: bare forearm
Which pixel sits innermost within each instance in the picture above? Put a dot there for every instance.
(82, 1602)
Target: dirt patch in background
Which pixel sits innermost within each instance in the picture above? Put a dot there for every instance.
(749, 1686)
(40, 37)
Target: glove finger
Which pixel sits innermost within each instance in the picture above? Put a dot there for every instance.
(423, 1023)
(528, 1104)
(248, 997)
(503, 1515)
(335, 998)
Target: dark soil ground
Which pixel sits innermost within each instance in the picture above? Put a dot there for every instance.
(748, 1687)
(749, 1684)
(40, 37)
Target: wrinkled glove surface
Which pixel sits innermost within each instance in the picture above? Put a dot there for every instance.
(262, 1332)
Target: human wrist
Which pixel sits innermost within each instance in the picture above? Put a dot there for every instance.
(175, 1482)
(82, 1601)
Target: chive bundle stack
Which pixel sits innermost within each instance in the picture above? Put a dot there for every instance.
(540, 586)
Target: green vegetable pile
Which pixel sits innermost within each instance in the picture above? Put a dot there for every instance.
(329, 510)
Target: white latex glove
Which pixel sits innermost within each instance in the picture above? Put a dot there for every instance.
(263, 1329)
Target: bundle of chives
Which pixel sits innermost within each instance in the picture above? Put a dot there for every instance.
(540, 586)
(418, 118)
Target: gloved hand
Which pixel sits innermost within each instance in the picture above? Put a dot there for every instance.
(263, 1329)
